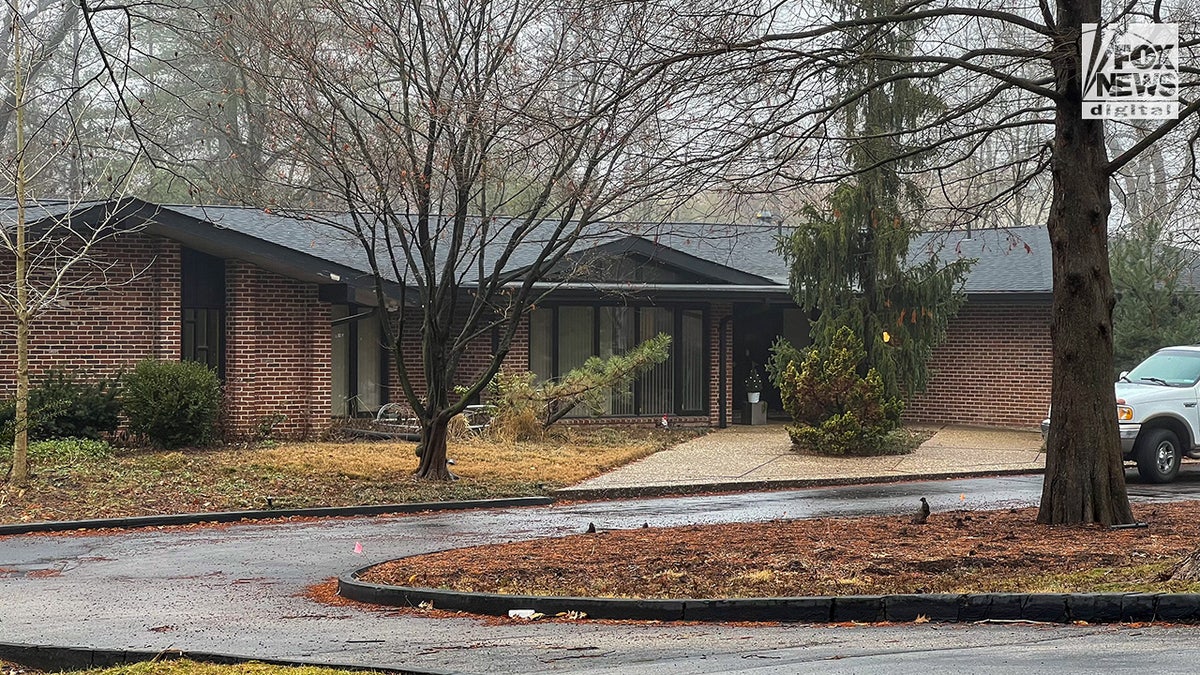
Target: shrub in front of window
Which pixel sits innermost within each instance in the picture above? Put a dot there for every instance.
(173, 404)
(525, 407)
(837, 411)
(520, 406)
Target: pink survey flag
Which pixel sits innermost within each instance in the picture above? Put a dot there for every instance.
(358, 548)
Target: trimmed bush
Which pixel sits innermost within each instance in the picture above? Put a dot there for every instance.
(836, 410)
(173, 403)
(66, 405)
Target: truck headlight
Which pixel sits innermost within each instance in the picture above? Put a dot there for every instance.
(1124, 413)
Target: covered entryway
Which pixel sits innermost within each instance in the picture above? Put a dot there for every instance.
(756, 326)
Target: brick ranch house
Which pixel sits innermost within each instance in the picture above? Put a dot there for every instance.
(286, 315)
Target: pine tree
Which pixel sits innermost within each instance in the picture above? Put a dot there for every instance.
(849, 258)
(1153, 308)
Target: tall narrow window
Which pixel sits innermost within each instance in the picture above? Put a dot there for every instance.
(689, 348)
(541, 343)
(617, 336)
(370, 363)
(341, 389)
(655, 385)
(202, 296)
(359, 384)
(576, 343)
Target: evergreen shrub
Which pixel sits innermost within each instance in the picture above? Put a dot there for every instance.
(173, 403)
(835, 410)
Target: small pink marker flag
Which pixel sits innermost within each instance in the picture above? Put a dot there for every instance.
(358, 548)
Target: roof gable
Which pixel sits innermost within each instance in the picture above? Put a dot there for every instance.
(638, 260)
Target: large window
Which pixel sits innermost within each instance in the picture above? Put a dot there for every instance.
(359, 361)
(563, 337)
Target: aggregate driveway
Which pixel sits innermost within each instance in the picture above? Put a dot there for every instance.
(236, 590)
(740, 456)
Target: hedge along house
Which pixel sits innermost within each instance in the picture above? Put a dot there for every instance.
(284, 310)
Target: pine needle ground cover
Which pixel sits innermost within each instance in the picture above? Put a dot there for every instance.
(956, 552)
(186, 667)
(293, 475)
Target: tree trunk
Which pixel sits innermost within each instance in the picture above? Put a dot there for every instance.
(1085, 476)
(439, 378)
(433, 450)
(20, 462)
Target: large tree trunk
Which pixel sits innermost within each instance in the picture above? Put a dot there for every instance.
(439, 378)
(435, 423)
(1085, 477)
(433, 450)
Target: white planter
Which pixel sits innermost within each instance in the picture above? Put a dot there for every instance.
(752, 396)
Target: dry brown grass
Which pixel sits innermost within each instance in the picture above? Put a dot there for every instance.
(563, 458)
(372, 460)
(314, 474)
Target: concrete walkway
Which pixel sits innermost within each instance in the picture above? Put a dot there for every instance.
(762, 457)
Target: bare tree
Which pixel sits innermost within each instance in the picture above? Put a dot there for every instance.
(50, 240)
(1000, 70)
(473, 144)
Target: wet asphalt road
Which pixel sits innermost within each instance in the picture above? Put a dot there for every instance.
(237, 590)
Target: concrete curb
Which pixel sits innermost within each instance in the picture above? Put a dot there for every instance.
(51, 658)
(944, 608)
(236, 516)
(597, 494)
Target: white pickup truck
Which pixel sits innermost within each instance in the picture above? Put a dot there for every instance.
(1157, 412)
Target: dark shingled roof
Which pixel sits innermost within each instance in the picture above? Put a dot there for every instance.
(1013, 260)
(1009, 261)
(296, 233)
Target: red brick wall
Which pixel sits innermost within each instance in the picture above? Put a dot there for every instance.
(992, 370)
(411, 343)
(716, 313)
(107, 329)
(277, 354)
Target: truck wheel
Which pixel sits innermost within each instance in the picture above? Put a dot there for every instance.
(1158, 456)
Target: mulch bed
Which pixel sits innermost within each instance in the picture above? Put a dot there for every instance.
(960, 551)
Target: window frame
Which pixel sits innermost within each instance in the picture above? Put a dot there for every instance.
(202, 290)
(677, 367)
(354, 314)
